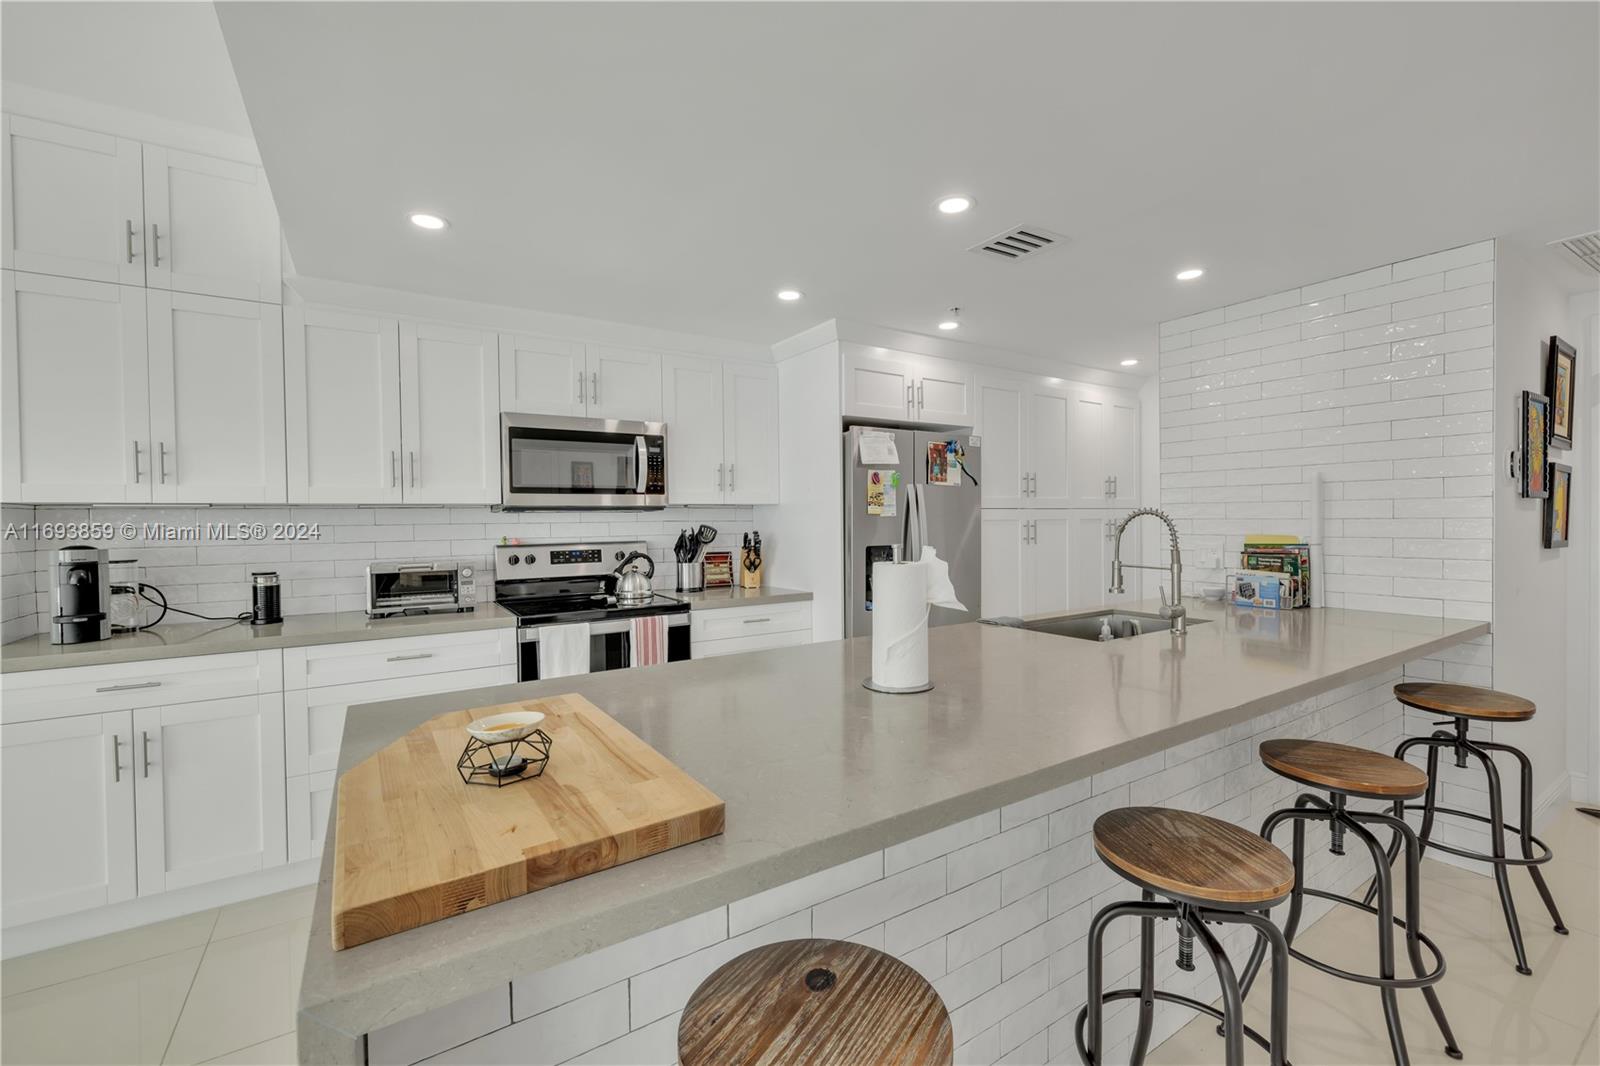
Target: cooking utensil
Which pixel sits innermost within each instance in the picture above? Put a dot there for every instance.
(701, 537)
(633, 587)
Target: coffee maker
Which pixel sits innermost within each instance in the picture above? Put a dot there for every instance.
(80, 595)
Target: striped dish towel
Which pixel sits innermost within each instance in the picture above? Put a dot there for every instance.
(647, 639)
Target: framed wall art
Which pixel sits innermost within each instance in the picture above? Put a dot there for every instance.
(1535, 445)
(1560, 382)
(1558, 507)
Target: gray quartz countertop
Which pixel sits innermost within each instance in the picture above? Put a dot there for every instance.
(816, 770)
(711, 599)
(174, 639)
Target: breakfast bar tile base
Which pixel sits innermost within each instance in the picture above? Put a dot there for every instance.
(992, 909)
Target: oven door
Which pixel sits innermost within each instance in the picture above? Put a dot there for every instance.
(610, 647)
(550, 462)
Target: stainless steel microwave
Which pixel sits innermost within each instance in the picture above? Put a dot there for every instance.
(550, 462)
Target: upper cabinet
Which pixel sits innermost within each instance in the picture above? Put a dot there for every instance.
(342, 376)
(87, 205)
(722, 431)
(1102, 448)
(449, 414)
(539, 376)
(890, 386)
(1050, 444)
(624, 384)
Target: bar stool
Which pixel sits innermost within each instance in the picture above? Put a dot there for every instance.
(815, 1002)
(1346, 771)
(1209, 871)
(1462, 704)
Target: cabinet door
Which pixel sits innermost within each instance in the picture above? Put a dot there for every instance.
(209, 790)
(211, 227)
(944, 394)
(878, 386)
(342, 375)
(1045, 575)
(310, 801)
(449, 414)
(1004, 545)
(1002, 423)
(77, 421)
(216, 399)
(624, 384)
(1121, 448)
(1087, 476)
(692, 406)
(67, 813)
(72, 202)
(750, 434)
(1047, 452)
(1088, 559)
(539, 376)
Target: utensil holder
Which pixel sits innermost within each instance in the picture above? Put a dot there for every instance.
(748, 578)
(691, 577)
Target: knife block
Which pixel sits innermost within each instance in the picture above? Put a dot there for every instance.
(749, 579)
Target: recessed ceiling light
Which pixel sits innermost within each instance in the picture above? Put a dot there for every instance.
(1190, 274)
(1130, 362)
(422, 220)
(789, 295)
(954, 205)
(953, 322)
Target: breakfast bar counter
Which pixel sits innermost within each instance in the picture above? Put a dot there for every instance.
(818, 773)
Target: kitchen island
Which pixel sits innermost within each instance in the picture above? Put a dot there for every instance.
(949, 827)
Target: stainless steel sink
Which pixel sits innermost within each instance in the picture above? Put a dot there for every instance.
(1122, 624)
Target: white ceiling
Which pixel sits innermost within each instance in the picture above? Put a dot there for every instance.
(162, 59)
(674, 164)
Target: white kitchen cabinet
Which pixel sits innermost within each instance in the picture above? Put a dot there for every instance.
(750, 432)
(73, 202)
(1046, 579)
(1047, 437)
(540, 376)
(624, 384)
(309, 801)
(1000, 422)
(1089, 552)
(692, 406)
(342, 377)
(731, 630)
(211, 227)
(1024, 426)
(67, 803)
(880, 384)
(216, 400)
(208, 790)
(1005, 542)
(1102, 448)
(449, 414)
(76, 412)
(1024, 569)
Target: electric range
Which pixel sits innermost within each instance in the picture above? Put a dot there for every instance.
(569, 583)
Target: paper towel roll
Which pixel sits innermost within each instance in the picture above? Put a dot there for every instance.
(899, 624)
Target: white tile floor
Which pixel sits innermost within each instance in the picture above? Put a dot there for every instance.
(220, 986)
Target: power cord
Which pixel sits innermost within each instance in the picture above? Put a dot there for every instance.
(160, 600)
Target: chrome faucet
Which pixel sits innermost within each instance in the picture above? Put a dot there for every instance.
(1175, 610)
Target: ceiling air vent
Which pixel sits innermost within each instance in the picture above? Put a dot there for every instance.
(1586, 248)
(1023, 242)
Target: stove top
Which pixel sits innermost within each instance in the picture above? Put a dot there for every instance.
(538, 611)
(547, 584)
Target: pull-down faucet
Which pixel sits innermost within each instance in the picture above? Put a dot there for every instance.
(1175, 610)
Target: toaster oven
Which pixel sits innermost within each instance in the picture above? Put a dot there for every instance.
(419, 588)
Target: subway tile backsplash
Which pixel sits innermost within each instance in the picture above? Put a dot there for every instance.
(326, 572)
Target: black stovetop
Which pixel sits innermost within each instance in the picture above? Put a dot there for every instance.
(545, 611)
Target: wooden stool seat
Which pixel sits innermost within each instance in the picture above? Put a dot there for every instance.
(1342, 768)
(1464, 701)
(1193, 857)
(816, 1002)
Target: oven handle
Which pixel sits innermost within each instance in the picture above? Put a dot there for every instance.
(530, 634)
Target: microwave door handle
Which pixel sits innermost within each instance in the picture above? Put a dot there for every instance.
(642, 464)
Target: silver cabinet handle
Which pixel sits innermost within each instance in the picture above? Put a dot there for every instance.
(394, 470)
(911, 397)
(116, 757)
(145, 744)
(919, 395)
(137, 474)
(413, 456)
(754, 621)
(163, 462)
(130, 240)
(594, 388)
(408, 658)
(730, 477)
(129, 687)
(155, 245)
(719, 477)
(1113, 485)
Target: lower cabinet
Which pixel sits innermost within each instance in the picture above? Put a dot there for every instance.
(1039, 561)
(310, 799)
(730, 630)
(66, 815)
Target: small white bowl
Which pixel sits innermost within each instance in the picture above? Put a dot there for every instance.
(513, 725)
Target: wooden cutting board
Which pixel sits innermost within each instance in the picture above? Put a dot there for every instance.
(414, 844)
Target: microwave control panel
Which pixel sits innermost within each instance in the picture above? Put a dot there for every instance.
(655, 471)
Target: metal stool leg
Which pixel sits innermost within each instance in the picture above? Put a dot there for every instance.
(1428, 799)
(1270, 937)
(1525, 829)
(1147, 984)
(1391, 1003)
(1232, 1002)
(1296, 895)
(1497, 847)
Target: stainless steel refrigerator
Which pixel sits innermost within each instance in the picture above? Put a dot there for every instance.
(875, 513)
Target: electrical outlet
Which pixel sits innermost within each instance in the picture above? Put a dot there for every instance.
(1208, 559)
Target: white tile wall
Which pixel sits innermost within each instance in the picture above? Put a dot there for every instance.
(325, 573)
(993, 910)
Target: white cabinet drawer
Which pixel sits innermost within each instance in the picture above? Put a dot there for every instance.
(709, 649)
(310, 799)
(162, 682)
(313, 719)
(733, 622)
(382, 660)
